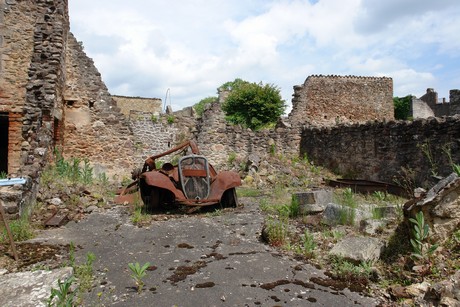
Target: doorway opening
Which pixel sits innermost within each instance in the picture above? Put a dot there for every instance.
(4, 143)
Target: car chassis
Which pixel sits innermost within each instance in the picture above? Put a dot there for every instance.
(192, 181)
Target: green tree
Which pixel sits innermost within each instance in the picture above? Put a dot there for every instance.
(201, 105)
(402, 106)
(253, 105)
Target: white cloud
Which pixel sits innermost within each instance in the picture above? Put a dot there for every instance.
(142, 48)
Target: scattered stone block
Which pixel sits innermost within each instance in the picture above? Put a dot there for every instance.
(358, 249)
(313, 202)
(371, 227)
(333, 213)
(441, 208)
(30, 288)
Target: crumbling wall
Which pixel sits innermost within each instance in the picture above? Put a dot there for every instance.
(380, 150)
(143, 104)
(443, 108)
(331, 100)
(94, 126)
(217, 139)
(33, 37)
(420, 109)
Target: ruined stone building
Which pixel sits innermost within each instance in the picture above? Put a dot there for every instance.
(330, 100)
(430, 105)
(51, 96)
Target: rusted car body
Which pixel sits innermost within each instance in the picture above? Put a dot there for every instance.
(192, 181)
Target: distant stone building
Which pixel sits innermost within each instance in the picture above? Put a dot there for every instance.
(430, 105)
(330, 100)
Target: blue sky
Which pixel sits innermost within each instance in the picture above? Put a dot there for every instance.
(191, 47)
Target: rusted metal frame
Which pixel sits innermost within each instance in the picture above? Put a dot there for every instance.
(193, 202)
(130, 188)
(8, 230)
(367, 186)
(192, 145)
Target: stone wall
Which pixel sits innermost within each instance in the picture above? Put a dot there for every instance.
(379, 150)
(443, 108)
(126, 104)
(329, 100)
(151, 137)
(94, 126)
(217, 139)
(32, 49)
(420, 109)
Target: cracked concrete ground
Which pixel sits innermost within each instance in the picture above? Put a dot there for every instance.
(197, 260)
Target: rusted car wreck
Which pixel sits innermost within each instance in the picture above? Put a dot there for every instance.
(191, 181)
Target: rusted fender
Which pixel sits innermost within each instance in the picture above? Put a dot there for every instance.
(160, 180)
(223, 181)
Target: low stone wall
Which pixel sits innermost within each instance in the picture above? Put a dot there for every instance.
(217, 139)
(379, 151)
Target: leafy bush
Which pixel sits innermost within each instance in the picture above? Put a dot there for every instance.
(201, 105)
(252, 105)
(402, 107)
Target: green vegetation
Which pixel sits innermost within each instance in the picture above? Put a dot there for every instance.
(21, 229)
(139, 216)
(456, 168)
(348, 203)
(276, 231)
(346, 270)
(402, 107)
(75, 172)
(252, 105)
(170, 119)
(3, 175)
(231, 157)
(248, 192)
(336, 235)
(138, 274)
(307, 245)
(426, 149)
(84, 273)
(201, 105)
(154, 119)
(216, 212)
(420, 235)
(272, 150)
(63, 296)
